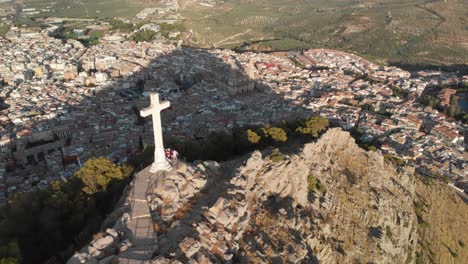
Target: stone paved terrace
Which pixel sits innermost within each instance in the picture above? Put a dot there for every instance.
(141, 232)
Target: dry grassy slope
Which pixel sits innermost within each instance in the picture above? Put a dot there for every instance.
(447, 230)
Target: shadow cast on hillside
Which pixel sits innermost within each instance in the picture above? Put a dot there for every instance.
(208, 90)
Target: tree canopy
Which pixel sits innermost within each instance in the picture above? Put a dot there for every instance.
(276, 156)
(42, 224)
(253, 137)
(276, 133)
(453, 109)
(313, 126)
(97, 173)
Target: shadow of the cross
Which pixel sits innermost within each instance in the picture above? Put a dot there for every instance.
(209, 91)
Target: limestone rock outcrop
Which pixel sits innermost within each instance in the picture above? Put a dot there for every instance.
(168, 195)
(103, 248)
(330, 202)
(267, 214)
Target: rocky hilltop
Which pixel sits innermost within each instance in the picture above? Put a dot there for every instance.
(330, 202)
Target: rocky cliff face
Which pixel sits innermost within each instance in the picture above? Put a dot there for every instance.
(443, 224)
(331, 202)
(363, 211)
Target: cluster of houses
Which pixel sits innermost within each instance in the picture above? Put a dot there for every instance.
(358, 94)
(62, 103)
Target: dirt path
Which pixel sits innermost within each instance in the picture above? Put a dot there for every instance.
(441, 18)
(217, 44)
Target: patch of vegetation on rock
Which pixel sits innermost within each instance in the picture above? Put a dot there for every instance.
(276, 156)
(314, 185)
(144, 35)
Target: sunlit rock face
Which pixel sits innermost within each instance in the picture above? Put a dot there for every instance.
(329, 202)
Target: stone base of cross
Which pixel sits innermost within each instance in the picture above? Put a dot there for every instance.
(161, 165)
(155, 108)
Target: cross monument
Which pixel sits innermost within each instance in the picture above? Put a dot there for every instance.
(155, 108)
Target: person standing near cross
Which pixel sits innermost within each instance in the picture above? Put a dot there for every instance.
(155, 108)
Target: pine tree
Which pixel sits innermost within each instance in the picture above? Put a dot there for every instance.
(96, 174)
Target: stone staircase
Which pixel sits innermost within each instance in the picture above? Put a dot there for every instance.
(140, 226)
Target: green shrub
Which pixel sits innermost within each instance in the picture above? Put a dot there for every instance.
(314, 185)
(276, 156)
(122, 26)
(9, 261)
(313, 126)
(144, 35)
(398, 92)
(336, 174)
(94, 36)
(406, 224)
(276, 133)
(253, 137)
(311, 183)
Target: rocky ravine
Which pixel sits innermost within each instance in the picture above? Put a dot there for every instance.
(359, 209)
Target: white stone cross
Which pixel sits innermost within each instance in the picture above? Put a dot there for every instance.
(155, 108)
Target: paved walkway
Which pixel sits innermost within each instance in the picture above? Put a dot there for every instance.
(140, 224)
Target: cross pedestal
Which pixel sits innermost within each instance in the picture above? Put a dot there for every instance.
(155, 108)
